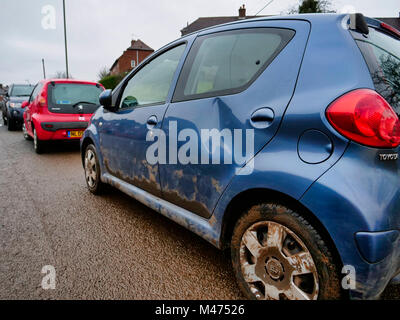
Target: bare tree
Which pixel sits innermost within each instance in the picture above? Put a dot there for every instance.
(104, 72)
(61, 75)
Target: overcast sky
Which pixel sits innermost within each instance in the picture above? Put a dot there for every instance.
(98, 31)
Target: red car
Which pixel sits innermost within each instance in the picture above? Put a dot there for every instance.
(59, 109)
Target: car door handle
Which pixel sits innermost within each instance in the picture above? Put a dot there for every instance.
(152, 122)
(262, 118)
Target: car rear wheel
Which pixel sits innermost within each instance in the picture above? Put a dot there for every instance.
(4, 119)
(38, 144)
(278, 255)
(25, 132)
(92, 170)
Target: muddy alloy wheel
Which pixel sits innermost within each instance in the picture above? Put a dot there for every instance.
(274, 266)
(278, 255)
(92, 170)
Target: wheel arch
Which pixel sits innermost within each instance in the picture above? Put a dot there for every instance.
(245, 199)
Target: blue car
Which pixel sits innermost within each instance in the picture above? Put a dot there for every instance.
(12, 112)
(275, 137)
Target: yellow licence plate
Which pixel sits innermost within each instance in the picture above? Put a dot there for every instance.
(75, 134)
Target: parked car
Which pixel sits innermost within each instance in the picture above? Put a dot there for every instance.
(59, 109)
(12, 111)
(3, 91)
(319, 193)
(2, 104)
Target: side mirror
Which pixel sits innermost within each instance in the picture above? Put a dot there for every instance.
(105, 99)
(24, 104)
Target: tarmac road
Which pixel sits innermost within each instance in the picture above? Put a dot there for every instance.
(102, 247)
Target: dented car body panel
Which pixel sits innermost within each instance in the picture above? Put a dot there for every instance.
(342, 185)
(199, 187)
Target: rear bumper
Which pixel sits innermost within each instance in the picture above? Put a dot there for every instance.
(54, 126)
(358, 202)
(59, 130)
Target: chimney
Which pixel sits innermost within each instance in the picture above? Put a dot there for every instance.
(242, 12)
(132, 42)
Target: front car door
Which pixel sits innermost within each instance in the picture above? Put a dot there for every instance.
(231, 96)
(142, 103)
(31, 108)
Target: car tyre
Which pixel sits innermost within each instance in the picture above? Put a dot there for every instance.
(11, 126)
(92, 170)
(38, 144)
(4, 120)
(278, 255)
(25, 132)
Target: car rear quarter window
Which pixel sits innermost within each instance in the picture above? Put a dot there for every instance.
(382, 54)
(73, 97)
(227, 62)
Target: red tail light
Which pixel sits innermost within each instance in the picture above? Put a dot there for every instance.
(365, 117)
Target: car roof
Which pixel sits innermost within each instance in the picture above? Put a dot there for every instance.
(310, 17)
(69, 81)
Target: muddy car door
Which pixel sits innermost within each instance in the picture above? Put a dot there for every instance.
(230, 97)
(141, 107)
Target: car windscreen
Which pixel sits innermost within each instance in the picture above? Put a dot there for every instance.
(73, 97)
(382, 54)
(21, 90)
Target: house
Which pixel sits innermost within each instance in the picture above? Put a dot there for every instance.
(132, 56)
(205, 22)
(394, 22)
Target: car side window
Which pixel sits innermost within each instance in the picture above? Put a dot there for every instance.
(35, 92)
(31, 98)
(227, 62)
(150, 85)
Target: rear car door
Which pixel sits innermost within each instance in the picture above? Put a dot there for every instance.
(141, 107)
(236, 81)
